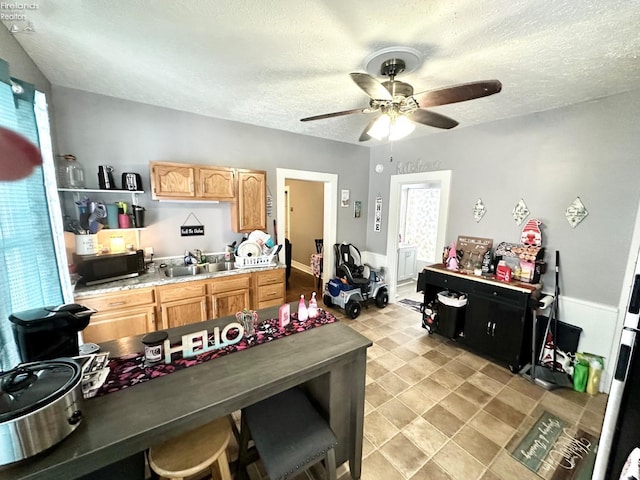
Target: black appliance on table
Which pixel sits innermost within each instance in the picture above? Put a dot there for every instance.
(49, 332)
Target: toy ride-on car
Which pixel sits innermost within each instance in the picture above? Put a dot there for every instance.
(355, 285)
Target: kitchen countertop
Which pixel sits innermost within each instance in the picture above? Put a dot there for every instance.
(491, 279)
(159, 278)
(330, 360)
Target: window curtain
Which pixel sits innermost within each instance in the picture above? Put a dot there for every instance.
(29, 269)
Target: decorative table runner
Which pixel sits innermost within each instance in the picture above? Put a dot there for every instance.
(129, 370)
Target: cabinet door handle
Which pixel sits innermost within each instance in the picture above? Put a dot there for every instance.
(488, 328)
(493, 330)
(115, 304)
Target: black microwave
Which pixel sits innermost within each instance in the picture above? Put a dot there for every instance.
(103, 268)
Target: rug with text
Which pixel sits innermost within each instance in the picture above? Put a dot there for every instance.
(555, 449)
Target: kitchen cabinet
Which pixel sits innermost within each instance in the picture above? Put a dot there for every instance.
(182, 303)
(249, 212)
(500, 324)
(497, 319)
(183, 181)
(407, 262)
(268, 288)
(120, 314)
(228, 295)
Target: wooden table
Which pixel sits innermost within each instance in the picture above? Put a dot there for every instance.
(329, 360)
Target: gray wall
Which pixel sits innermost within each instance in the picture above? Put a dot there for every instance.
(126, 135)
(20, 64)
(588, 150)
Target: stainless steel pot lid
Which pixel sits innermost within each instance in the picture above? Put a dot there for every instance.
(31, 386)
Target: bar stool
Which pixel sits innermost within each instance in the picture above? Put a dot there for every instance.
(193, 452)
(289, 435)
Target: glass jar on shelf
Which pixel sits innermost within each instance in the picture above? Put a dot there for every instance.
(70, 172)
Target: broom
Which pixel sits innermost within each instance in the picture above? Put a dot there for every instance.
(551, 378)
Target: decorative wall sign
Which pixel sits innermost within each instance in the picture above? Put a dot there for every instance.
(520, 212)
(377, 219)
(192, 230)
(479, 210)
(269, 205)
(344, 198)
(417, 167)
(357, 208)
(576, 212)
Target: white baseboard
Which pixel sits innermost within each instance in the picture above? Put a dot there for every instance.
(302, 267)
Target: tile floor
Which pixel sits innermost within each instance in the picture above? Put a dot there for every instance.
(435, 411)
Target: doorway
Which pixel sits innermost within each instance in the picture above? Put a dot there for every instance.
(329, 217)
(441, 180)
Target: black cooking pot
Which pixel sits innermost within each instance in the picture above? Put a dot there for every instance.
(40, 405)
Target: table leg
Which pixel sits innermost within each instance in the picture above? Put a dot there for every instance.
(359, 367)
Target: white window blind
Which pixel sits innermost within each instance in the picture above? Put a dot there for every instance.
(29, 272)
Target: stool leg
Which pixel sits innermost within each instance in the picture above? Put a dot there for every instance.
(223, 467)
(330, 464)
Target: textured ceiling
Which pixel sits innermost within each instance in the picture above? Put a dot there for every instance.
(270, 63)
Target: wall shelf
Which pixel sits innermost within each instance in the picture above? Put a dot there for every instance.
(78, 191)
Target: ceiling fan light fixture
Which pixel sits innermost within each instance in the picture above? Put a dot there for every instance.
(392, 128)
(400, 128)
(380, 128)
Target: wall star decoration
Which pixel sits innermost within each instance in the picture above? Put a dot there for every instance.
(520, 212)
(479, 210)
(576, 212)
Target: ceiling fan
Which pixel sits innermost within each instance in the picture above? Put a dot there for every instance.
(400, 110)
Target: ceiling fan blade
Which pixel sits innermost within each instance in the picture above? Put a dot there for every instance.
(457, 93)
(432, 119)
(371, 86)
(364, 136)
(334, 114)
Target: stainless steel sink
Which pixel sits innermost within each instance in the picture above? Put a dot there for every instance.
(182, 270)
(219, 266)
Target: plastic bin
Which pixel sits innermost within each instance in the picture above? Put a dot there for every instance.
(451, 311)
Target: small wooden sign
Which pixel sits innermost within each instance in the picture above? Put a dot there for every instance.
(473, 250)
(191, 230)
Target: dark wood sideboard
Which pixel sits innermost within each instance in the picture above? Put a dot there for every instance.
(498, 316)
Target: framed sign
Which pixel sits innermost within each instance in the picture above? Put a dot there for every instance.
(344, 198)
(192, 230)
(377, 219)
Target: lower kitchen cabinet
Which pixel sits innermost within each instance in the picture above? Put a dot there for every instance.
(268, 288)
(133, 312)
(112, 325)
(182, 303)
(228, 295)
(497, 318)
(120, 314)
(498, 329)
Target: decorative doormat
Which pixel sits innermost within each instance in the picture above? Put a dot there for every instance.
(410, 304)
(555, 449)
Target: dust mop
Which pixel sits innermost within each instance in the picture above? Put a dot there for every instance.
(537, 373)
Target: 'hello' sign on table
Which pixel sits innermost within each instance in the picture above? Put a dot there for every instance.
(198, 342)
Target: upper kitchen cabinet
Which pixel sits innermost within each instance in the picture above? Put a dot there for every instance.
(249, 211)
(183, 181)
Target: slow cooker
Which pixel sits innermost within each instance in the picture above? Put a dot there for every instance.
(40, 405)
